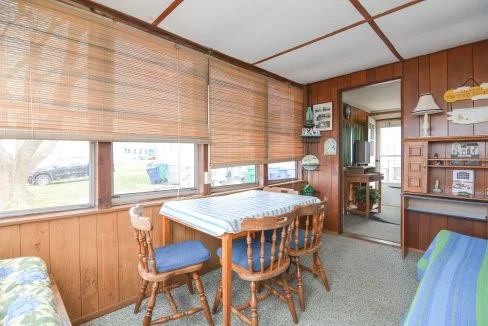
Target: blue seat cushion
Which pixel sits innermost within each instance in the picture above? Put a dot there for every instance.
(239, 254)
(179, 255)
(268, 235)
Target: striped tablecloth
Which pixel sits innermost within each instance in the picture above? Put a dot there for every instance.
(224, 214)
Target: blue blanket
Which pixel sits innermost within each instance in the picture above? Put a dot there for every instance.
(453, 287)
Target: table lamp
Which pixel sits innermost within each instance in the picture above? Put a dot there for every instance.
(425, 107)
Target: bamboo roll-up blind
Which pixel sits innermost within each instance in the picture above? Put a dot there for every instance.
(238, 116)
(68, 74)
(285, 122)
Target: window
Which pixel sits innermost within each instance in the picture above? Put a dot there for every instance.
(391, 152)
(282, 171)
(44, 175)
(153, 167)
(236, 175)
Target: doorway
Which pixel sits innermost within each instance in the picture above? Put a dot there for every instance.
(372, 159)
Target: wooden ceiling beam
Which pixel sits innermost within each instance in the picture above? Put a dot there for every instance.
(136, 23)
(375, 27)
(167, 11)
(343, 29)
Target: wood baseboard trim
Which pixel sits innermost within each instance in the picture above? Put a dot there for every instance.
(369, 239)
(104, 311)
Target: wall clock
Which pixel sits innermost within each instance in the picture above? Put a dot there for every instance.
(347, 111)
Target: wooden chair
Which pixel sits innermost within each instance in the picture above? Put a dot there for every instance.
(257, 261)
(306, 242)
(162, 264)
(281, 190)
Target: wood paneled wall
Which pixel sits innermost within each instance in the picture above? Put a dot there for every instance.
(433, 73)
(358, 116)
(421, 228)
(93, 258)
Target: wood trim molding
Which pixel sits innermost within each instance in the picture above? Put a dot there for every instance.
(203, 189)
(384, 112)
(375, 27)
(343, 29)
(128, 20)
(104, 175)
(167, 12)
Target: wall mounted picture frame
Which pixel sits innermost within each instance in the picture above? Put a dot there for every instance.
(322, 116)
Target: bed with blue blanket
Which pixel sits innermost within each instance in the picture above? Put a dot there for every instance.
(453, 289)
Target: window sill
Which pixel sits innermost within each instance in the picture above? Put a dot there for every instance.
(31, 218)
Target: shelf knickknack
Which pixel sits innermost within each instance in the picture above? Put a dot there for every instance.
(310, 163)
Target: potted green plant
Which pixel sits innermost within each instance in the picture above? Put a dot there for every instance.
(374, 196)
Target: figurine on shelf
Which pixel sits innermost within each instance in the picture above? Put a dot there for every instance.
(437, 189)
(436, 156)
(309, 118)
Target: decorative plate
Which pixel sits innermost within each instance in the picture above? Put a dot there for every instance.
(310, 163)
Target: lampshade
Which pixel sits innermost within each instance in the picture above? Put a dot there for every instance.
(426, 105)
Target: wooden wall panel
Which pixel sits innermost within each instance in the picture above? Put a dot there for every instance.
(129, 280)
(9, 242)
(422, 228)
(433, 73)
(480, 73)
(459, 69)
(88, 264)
(108, 260)
(410, 93)
(438, 86)
(34, 240)
(64, 251)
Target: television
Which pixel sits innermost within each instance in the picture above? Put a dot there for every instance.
(361, 152)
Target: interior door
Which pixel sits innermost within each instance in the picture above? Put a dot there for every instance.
(415, 166)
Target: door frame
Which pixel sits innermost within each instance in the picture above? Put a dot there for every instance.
(341, 166)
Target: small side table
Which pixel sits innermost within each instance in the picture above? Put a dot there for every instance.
(366, 178)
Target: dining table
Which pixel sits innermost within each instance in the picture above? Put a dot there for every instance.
(221, 217)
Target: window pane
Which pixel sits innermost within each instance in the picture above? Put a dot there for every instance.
(235, 175)
(282, 171)
(41, 174)
(145, 167)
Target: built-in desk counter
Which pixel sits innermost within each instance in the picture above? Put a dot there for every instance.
(456, 207)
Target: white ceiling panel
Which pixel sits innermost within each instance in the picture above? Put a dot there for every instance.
(356, 49)
(374, 7)
(435, 25)
(377, 97)
(147, 10)
(252, 30)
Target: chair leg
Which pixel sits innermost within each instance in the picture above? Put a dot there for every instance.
(218, 298)
(254, 304)
(289, 300)
(142, 294)
(150, 305)
(301, 296)
(188, 283)
(321, 271)
(203, 298)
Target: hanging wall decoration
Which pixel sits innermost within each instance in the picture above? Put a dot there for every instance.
(330, 147)
(466, 92)
(468, 115)
(322, 116)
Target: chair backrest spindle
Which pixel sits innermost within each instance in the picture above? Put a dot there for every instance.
(314, 221)
(281, 225)
(142, 233)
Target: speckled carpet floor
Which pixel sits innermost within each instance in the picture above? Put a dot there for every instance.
(371, 284)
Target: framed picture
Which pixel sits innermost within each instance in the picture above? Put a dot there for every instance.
(322, 116)
(463, 182)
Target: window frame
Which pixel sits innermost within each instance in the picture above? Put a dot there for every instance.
(56, 209)
(226, 188)
(135, 197)
(270, 182)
